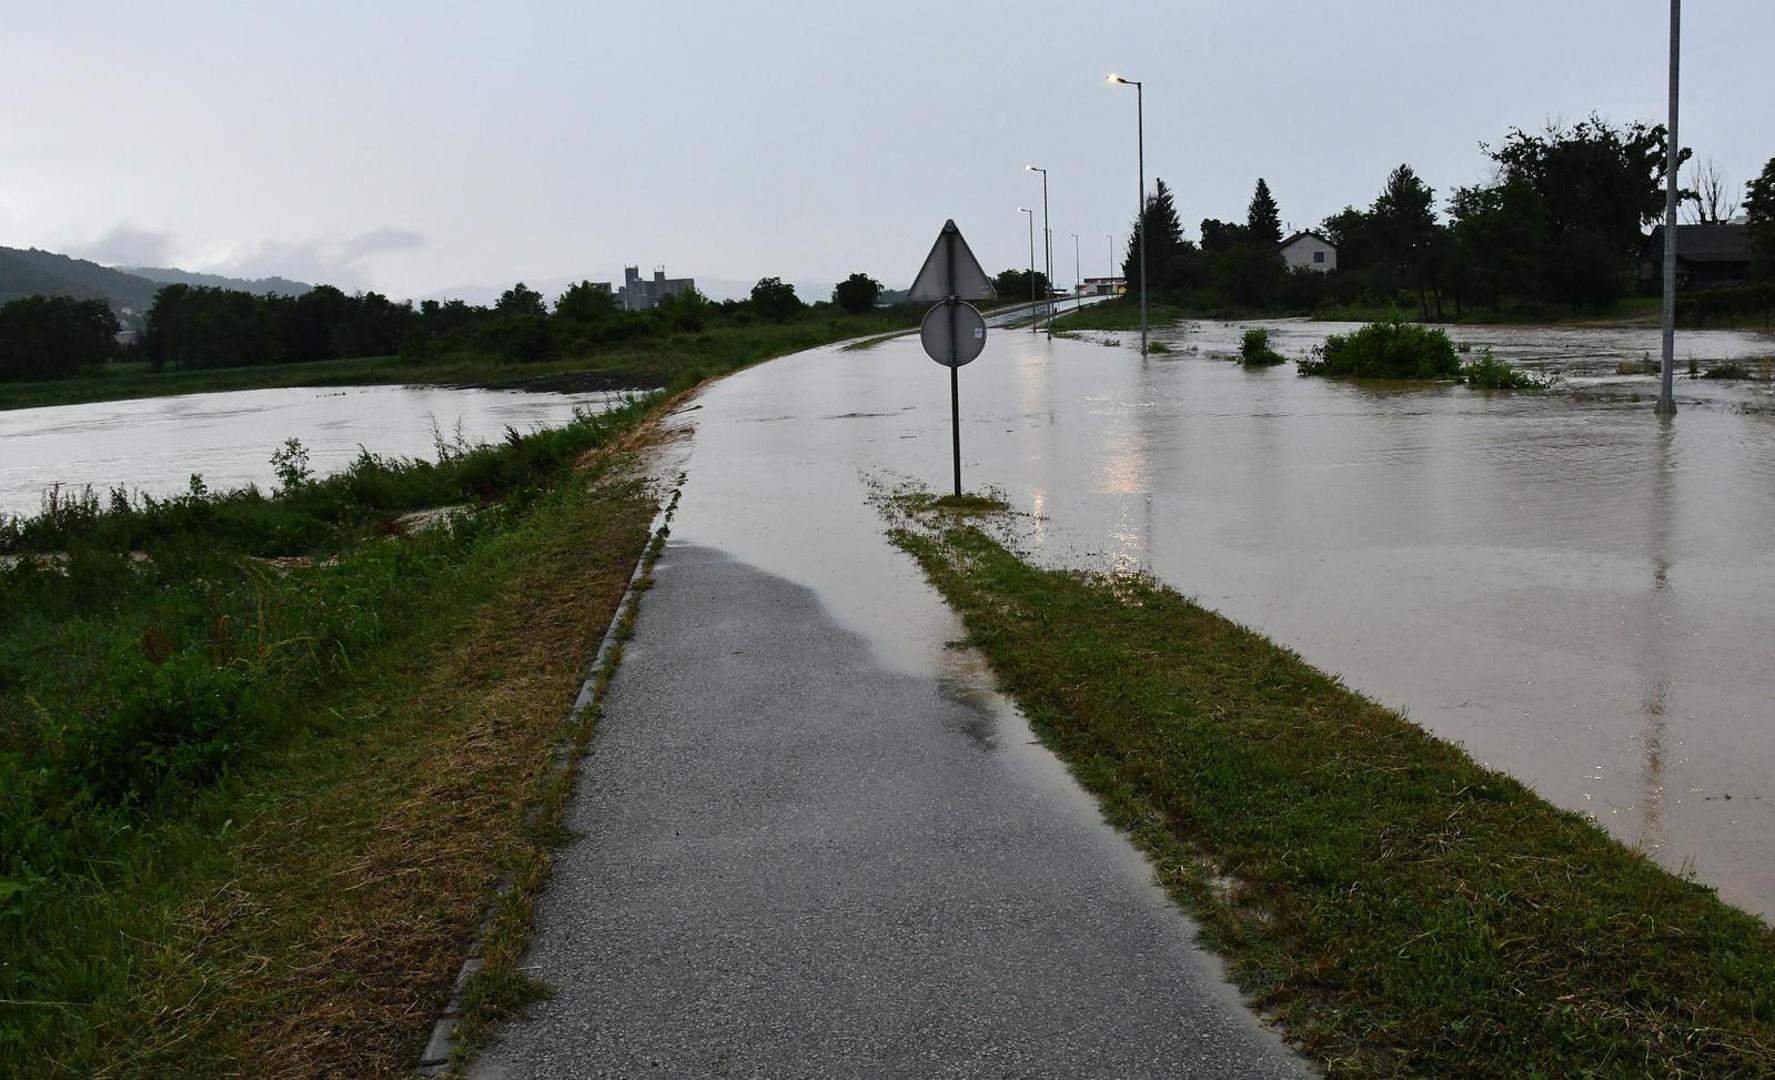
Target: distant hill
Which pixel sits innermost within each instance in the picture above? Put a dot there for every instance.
(30, 272)
(167, 275)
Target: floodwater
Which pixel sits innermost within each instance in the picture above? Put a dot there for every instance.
(154, 445)
(1579, 594)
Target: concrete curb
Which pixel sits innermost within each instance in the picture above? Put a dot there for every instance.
(435, 1060)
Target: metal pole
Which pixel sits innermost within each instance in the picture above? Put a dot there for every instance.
(1078, 296)
(1140, 135)
(1111, 237)
(1032, 314)
(1666, 393)
(954, 368)
(1048, 254)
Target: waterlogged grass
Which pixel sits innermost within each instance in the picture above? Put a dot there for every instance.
(1120, 313)
(1400, 910)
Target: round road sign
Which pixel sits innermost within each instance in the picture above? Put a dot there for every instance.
(953, 333)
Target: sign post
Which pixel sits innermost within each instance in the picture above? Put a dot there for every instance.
(953, 332)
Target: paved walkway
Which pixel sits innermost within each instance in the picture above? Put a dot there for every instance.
(799, 861)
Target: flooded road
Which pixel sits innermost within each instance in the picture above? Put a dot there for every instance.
(154, 445)
(1578, 594)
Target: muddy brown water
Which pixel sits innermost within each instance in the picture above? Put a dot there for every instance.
(154, 445)
(1577, 593)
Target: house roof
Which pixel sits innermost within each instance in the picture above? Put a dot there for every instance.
(1722, 242)
(1327, 243)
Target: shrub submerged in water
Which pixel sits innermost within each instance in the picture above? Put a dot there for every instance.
(1386, 350)
(1254, 348)
(1490, 373)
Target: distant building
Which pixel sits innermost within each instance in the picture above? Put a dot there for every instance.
(1103, 286)
(1307, 250)
(1713, 256)
(639, 293)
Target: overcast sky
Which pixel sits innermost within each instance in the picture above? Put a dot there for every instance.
(419, 147)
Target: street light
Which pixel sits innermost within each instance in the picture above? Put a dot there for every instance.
(1109, 282)
(1140, 206)
(1031, 214)
(1078, 297)
(1047, 247)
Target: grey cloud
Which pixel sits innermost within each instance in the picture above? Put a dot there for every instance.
(329, 261)
(129, 245)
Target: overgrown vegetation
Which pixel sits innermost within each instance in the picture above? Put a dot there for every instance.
(1255, 351)
(1399, 909)
(1386, 351)
(263, 757)
(1490, 373)
(1556, 233)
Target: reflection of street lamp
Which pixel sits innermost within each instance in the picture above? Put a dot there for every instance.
(1078, 296)
(1047, 247)
(1139, 207)
(1031, 214)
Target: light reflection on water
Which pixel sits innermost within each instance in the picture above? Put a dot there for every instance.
(155, 444)
(1580, 595)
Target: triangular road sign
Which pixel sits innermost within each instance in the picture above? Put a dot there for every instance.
(951, 270)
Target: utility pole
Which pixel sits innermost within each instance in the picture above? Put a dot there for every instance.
(1666, 392)
(1047, 248)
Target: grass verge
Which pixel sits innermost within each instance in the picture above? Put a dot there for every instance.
(1398, 909)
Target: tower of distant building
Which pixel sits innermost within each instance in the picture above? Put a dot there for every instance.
(639, 293)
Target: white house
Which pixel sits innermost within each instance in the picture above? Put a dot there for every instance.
(1308, 250)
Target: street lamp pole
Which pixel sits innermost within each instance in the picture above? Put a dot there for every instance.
(1078, 298)
(1109, 282)
(1047, 248)
(1139, 207)
(1666, 392)
(1032, 317)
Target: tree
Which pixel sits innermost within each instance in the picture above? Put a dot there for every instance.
(1352, 233)
(1759, 203)
(1710, 199)
(1219, 237)
(519, 300)
(1599, 187)
(1158, 221)
(1499, 230)
(1404, 221)
(857, 293)
(585, 303)
(1263, 221)
(54, 337)
(775, 300)
(1013, 285)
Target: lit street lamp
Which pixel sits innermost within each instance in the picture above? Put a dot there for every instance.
(1047, 247)
(1139, 207)
(1031, 214)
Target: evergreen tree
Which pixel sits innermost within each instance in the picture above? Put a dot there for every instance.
(1759, 205)
(1158, 220)
(1263, 221)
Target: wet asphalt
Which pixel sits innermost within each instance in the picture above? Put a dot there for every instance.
(798, 861)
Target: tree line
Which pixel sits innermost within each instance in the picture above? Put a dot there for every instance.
(194, 327)
(1560, 224)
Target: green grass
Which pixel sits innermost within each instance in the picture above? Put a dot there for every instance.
(1121, 313)
(1397, 908)
(650, 363)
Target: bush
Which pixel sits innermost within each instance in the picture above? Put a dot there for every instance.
(1490, 373)
(1254, 349)
(1386, 350)
(178, 720)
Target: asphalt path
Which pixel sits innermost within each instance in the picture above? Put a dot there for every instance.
(815, 841)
